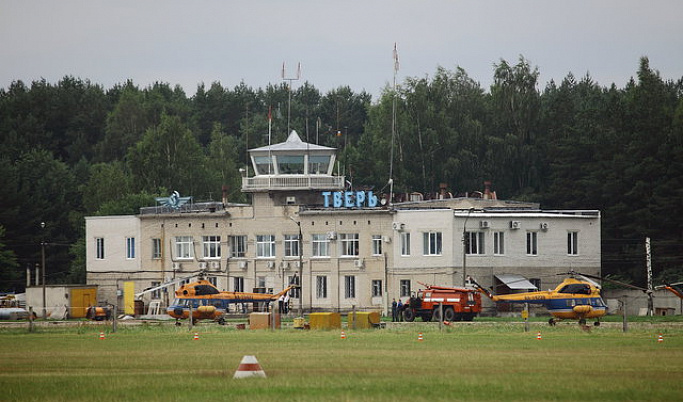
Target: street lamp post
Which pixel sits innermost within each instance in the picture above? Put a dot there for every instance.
(464, 247)
(300, 271)
(42, 259)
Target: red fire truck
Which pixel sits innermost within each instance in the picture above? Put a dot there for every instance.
(457, 304)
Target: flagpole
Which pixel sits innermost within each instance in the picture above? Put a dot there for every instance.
(393, 130)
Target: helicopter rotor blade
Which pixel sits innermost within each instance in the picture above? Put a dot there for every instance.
(627, 285)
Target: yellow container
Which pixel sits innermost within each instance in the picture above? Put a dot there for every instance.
(299, 323)
(324, 320)
(364, 319)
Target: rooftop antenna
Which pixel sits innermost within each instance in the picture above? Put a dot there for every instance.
(289, 89)
(393, 130)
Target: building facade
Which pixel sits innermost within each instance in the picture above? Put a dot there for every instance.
(344, 248)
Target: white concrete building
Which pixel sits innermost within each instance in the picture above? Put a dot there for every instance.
(355, 250)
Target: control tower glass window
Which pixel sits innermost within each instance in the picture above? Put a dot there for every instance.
(318, 164)
(263, 165)
(290, 164)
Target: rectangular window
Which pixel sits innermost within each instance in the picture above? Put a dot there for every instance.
(238, 284)
(291, 245)
(156, 249)
(213, 280)
(265, 246)
(321, 245)
(238, 246)
(376, 244)
(405, 287)
(531, 243)
(376, 288)
(349, 243)
(474, 242)
(405, 244)
(431, 243)
(536, 282)
(99, 248)
(211, 246)
(130, 248)
(295, 280)
(156, 294)
(183, 247)
(573, 243)
(321, 287)
(499, 243)
(350, 287)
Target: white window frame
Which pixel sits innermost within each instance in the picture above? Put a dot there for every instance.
(498, 243)
(376, 244)
(573, 243)
(376, 287)
(291, 245)
(405, 244)
(474, 243)
(349, 244)
(320, 245)
(156, 249)
(238, 284)
(404, 287)
(531, 243)
(295, 280)
(99, 248)
(432, 243)
(184, 248)
(321, 287)
(265, 246)
(211, 247)
(156, 294)
(349, 287)
(238, 246)
(130, 248)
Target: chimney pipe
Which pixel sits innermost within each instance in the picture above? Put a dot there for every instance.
(487, 190)
(225, 194)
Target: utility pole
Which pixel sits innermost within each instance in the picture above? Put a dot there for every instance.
(289, 90)
(648, 255)
(464, 247)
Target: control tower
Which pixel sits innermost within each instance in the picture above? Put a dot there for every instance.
(292, 172)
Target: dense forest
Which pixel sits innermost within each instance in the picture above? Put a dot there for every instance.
(74, 149)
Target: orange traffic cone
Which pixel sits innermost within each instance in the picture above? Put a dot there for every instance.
(343, 335)
(196, 337)
(419, 337)
(249, 367)
(538, 336)
(660, 339)
(101, 335)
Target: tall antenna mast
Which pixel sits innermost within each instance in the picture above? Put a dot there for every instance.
(393, 130)
(289, 89)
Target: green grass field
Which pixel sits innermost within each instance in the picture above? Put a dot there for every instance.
(488, 361)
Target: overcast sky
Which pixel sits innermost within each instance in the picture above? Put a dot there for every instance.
(338, 43)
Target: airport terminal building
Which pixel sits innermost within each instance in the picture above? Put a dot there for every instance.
(345, 248)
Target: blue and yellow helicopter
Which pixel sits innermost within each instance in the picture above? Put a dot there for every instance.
(576, 298)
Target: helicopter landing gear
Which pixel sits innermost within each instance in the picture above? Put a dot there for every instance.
(177, 323)
(221, 321)
(552, 322)
(582, 321)
(596, 324)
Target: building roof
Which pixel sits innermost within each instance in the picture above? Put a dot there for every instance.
(293, 143)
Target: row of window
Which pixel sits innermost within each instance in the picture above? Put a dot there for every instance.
(349, 245)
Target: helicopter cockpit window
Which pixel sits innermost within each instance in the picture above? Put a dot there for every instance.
(576, 288)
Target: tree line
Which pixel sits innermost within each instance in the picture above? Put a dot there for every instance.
(74, 149)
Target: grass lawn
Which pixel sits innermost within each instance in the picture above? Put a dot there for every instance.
(489, 361)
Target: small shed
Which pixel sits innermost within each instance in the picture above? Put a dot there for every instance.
(61, 301)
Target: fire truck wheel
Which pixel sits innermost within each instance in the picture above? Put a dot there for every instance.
(409, 315)
(436, 315)
(448, 314)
